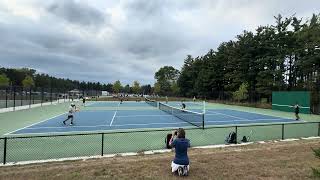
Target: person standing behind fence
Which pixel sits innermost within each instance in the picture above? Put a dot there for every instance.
(180, 164)
(297, 110)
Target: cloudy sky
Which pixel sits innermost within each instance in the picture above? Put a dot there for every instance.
(99, 40)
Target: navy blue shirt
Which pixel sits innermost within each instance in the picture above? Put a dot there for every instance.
(181, 146)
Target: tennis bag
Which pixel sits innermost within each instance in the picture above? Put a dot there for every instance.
(231, 138)
(167, 141)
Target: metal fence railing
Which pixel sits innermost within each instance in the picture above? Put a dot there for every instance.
(48, 147)
(17, 96)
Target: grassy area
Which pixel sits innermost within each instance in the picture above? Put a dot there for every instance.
(281, 160)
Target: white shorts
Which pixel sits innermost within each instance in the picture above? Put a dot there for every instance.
(174, 167)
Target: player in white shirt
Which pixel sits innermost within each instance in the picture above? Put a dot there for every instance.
(72, 110)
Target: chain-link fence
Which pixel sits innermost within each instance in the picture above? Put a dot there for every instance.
(33, 148)
(17, 97)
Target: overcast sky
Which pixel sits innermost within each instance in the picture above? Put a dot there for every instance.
(109, 40)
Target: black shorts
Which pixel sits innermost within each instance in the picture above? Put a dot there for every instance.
(70, 116)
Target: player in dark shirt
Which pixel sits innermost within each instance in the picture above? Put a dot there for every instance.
(84, 101)
(296, 111)
(180, 164)
(183, 105)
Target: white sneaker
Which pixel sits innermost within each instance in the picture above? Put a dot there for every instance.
(185, 170)
(180, 171)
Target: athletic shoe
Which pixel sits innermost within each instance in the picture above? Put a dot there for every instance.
(180, 171)
(185, 170)
(71, 124)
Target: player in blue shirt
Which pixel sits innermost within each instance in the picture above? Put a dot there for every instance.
(180, 164)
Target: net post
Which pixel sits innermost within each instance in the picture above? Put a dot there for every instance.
(282, 137)
(5, 150)
(318, 128)
(203, 121)
(236, 135)
(102, 143)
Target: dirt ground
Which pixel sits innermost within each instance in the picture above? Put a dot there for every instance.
(281, 160)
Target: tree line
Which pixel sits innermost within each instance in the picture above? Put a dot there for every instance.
(283, 56)
(27, 78)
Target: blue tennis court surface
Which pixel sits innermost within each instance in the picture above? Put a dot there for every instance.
(109, 120)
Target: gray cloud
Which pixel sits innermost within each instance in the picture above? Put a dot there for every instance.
(126, 40)
(77, 13)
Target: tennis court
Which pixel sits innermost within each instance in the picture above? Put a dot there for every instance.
(113, 116)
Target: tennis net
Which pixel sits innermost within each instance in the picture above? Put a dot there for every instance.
(151, 102)
(193, 118)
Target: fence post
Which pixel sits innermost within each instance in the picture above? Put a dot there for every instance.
(21, 96)
(282, 131)
(5, 150)
(319, 129)
(51, 94)
(30, 97)
(236, 134)
(14, 98)
(102, 143)
(6, 97)
(42, 95)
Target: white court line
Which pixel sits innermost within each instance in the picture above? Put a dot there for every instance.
(114, 115)
(290, 106)
(104, 130)
(128, 116)
(151, 124)
(227, 115)
(26, 127)
(64, 127)
(254, 120)
(142, 124)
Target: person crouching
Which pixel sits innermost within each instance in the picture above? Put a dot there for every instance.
(180, 164)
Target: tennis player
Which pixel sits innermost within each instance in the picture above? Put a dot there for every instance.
(180, 164)
(194, 99)
(166, 99)
(296, 111)
(84, 101)
(72, 110)
(183, 105)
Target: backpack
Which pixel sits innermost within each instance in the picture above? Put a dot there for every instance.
(245, 139)
(231, 138)
(167, 141)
